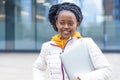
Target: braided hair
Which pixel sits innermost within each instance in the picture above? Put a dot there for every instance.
(55, 10)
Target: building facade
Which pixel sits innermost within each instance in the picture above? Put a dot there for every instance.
(24, 24)
(116, 10)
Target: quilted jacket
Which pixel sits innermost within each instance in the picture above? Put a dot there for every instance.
(48, 64)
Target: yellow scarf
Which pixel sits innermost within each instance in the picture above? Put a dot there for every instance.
(61, 42)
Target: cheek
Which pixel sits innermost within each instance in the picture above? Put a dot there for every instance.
(59, 28)
(75, 28)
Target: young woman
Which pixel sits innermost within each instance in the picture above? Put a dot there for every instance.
(65, 19)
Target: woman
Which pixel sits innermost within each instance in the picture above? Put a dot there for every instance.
(65, 19)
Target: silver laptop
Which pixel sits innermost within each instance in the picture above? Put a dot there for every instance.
(76, 60)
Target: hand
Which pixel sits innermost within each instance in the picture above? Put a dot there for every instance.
(77, 78)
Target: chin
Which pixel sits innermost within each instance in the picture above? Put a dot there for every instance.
(66, 37)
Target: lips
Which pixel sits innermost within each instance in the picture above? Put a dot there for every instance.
(65, 32)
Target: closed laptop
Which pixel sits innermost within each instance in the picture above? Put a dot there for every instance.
(76, 59)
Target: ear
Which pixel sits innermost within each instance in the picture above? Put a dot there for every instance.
(78, 24)
(56, 23)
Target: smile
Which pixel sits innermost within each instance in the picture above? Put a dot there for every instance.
(66, 32)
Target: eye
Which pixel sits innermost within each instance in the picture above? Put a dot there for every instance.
(62, 23)
(70, 24)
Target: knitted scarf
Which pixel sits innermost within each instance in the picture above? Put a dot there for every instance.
(61, 42)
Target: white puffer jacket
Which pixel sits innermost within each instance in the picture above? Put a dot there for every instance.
(48, 64)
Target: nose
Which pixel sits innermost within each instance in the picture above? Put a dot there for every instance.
(66, 26)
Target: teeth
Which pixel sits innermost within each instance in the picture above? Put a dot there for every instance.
(65, 32)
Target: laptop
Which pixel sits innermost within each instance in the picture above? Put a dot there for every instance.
(76, 59)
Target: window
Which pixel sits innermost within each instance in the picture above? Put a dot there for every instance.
(2, 24)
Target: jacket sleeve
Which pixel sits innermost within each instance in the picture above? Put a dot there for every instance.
(39, 67)
(101, 65)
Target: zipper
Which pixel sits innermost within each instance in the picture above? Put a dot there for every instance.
(66, 44)
(62, 69)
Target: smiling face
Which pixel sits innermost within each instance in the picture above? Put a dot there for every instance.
(66, 23)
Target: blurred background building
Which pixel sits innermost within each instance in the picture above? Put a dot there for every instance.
(24, 25)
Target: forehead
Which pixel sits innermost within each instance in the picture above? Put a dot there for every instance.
(66, 13)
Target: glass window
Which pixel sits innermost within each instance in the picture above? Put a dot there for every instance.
(44, 29)
(31, 26)
(24, 25)
(92, 24)
(116, 2)
(2, 24)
